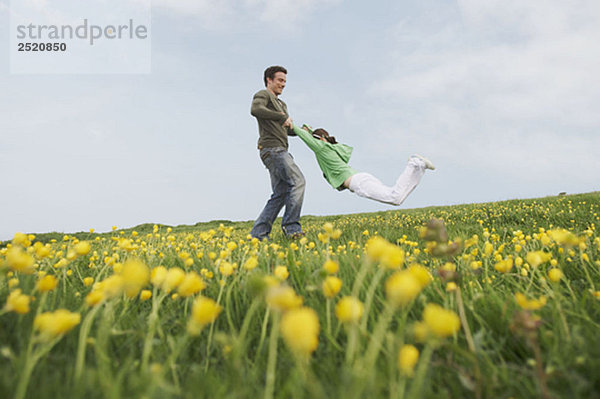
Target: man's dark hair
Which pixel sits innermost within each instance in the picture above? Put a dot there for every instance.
(271, 71)
(323, 133)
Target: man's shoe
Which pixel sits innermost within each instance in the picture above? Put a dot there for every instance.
(296, 236)
(428, 163)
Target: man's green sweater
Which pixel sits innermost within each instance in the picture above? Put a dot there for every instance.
(271, 113)
(332, 158)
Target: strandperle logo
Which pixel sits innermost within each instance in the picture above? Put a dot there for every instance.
(84, 31)
(80, 36)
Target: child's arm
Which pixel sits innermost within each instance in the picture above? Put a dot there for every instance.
(312, 143)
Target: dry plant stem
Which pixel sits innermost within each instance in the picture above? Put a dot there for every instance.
(470, 342)
(541, 374)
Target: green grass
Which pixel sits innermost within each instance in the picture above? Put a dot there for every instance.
(558, 358)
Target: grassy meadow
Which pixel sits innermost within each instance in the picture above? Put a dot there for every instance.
(497, 300)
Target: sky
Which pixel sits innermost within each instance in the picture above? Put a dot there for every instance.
(502, 96)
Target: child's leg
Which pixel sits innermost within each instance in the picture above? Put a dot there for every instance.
(408, 180)
(368, 186)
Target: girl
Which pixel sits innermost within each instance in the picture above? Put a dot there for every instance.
(333, 158)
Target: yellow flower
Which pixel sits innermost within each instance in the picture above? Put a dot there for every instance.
(441, 322)
(331, 286)
(407, 359)
(335, 234)
(555, 275)
(504, 266)
(83, 248)
(251, 263)
(536, 258)
(300, 330)
(281, 272)
(402, 287)
(226, 268)
(563, 237)
(19, 260)
(375, 247)
(421, 274)
(451, 286)
(449, 267)
(191, 284)
(21, 239)
(88, 281)
(94, 298)
(476, 264)
(471, 241)
(42, 251)
(283, 297)
(530, 304)
(488, 249)
(173, 278)
(392, 257)
(518, 261)
(111, 287)
(158, 275)
(61, 263)
(17, 302)
(13, 282)
(349, 310)
(46, 283)
(135, 276)
(145, 295)
(204, 311)
(331, 266)
(53, 324)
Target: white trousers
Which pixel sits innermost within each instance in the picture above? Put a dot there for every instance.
(368, 186)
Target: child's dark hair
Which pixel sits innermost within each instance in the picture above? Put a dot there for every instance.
(323, 133)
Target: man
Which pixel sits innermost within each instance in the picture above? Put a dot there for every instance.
(287, 181)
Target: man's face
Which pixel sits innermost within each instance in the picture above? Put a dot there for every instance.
(276, 84)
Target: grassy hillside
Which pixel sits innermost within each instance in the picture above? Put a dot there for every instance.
(492, 300)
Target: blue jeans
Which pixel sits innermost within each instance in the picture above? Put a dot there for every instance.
(287, 183)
